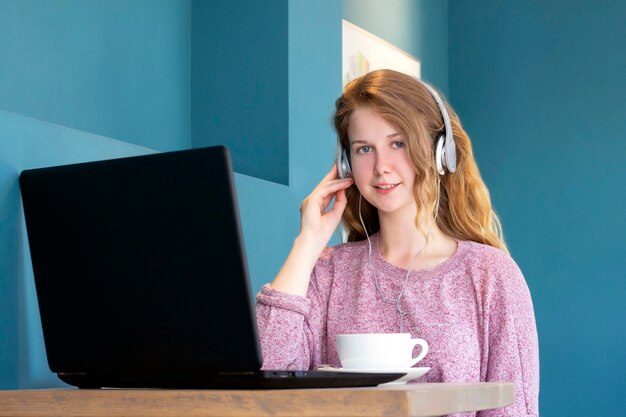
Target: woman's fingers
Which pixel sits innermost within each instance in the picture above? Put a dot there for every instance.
(340, 204)
(316, 216)
(328, 191)
(324, 193)
(330, 179)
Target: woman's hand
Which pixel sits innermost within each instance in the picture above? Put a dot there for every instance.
(318, 222)
(317, 225)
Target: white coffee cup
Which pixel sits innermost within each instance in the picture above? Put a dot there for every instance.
(379, 350)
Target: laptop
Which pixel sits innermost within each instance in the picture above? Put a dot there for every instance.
(142, 280)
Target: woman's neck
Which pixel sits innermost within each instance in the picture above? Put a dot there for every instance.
(402, 244)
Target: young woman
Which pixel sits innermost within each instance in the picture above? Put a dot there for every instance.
(425, 254)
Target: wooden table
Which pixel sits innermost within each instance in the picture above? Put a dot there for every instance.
(394, 400)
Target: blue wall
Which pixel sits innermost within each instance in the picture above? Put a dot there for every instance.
(239, 83)
(540, 87)
(112, 67)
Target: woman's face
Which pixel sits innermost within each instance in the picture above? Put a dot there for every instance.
(380, 162)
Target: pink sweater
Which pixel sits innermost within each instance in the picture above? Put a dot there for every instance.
(474, 310)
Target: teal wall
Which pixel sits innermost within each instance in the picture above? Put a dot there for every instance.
(115, 68)
(541, 90)
(239, 83)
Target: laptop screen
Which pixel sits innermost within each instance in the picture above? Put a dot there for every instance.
(139, 264)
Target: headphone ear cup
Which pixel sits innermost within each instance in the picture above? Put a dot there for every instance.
(347, 171)
(439, 156)
(445, 155)
(343, 165)
(449, 155)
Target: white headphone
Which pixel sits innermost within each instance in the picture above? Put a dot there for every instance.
(445, 150)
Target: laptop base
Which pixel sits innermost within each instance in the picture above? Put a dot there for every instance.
(232, 380)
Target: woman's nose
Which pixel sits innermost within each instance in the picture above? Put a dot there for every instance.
(382, 164)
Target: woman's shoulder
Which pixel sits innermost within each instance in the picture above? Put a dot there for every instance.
(344, 252)
(490, 263)
(486, 255)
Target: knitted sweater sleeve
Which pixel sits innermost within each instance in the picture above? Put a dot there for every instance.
(510, 349)
(291, 327)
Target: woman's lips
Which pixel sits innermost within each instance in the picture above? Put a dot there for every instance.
(385, 188)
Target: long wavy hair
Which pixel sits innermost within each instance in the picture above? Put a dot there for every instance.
(464, 208)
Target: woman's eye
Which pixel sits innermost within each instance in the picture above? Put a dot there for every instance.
(363, 149)
(398, 144)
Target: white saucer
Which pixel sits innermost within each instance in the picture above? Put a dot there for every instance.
(411, 373)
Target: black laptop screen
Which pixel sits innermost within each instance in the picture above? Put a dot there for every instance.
(139, 264)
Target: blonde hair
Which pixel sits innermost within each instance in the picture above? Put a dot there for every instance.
(464, 208)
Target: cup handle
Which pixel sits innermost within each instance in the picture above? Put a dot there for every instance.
(422, 353)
